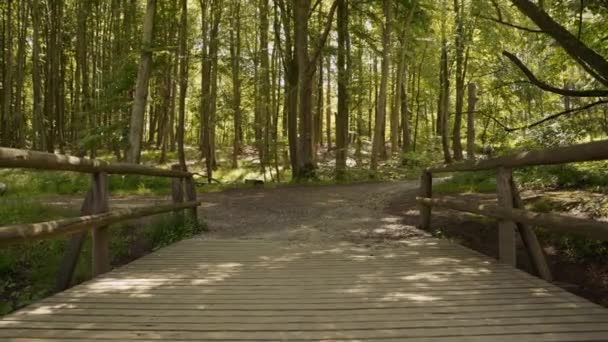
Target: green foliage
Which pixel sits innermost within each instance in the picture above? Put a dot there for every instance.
(468, 182)
(44, 183)
(589, 175)
(171, 229)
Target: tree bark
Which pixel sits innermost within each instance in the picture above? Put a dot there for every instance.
(343, 96)
(141, 86)
(378, 144)
(471, 121)
(235, 55)
(459, 39)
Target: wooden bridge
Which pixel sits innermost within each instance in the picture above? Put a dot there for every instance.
(422, 289)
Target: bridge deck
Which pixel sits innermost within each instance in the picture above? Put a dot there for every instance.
(422, 290)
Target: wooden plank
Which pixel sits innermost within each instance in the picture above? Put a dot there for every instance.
(597, 150)
(199, 296)
(307, 324)
(507, 253)
(15, 158)
(128, 335)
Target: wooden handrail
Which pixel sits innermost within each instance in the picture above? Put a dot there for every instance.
(15, 158)
(597, 150)
(95, 215)
(554, 222)
(43, 230)
(510, 211)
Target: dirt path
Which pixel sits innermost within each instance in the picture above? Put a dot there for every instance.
(317, 214)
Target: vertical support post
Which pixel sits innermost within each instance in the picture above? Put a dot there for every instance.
(177, 191)
(101, 235)
(535, 251)
(191, 197)
(426, 191)
(72, 252)
(506, 228)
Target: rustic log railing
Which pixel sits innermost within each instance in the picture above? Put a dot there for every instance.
(510, 210)
(95, 212)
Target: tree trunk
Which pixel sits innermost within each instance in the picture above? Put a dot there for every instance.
(183, 83)
(328, 108)
(343, 96)
(444, 102)
(378, 144)
(141, 87)
(471, 122)
(459, 40)
(235, 55)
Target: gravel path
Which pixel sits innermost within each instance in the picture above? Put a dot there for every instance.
(318, 214)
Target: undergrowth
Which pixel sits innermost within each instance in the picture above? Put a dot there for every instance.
(28, 270)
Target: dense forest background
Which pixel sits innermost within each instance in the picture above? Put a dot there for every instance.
(296, 82)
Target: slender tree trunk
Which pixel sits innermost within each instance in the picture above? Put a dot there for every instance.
(7, 85)
(377, 146)
(183, 82)
(456, 143)
(264, 85)
(343, 96)
(444, 99)
(141, 87)
(471, 121)
(39, 126)
(235, 54)
(328, 109)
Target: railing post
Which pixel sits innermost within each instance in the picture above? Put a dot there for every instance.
(426, 191)
(191, 196)
(506, 228)
(101, 235)
(535, 251)
(73, 248)
(177, 191)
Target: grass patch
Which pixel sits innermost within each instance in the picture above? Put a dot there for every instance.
(28, 183)
(589, 175)
(468, 182)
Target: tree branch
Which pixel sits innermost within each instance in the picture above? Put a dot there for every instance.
(523, 28)
(323, 39)
(573, 46)
(556, 115)
(549, 88)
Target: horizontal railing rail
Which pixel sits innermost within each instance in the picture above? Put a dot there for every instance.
(510, 210)
(44, 230)
(95, 213)
(553, 222)
(26, 159)
(592, 151)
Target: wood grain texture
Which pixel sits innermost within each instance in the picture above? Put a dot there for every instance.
(256, 290)
(15, 158)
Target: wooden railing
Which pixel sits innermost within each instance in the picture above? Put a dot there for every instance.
(95, 212)
(510, 210)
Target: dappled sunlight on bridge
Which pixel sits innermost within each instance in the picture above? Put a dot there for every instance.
(261, 290)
